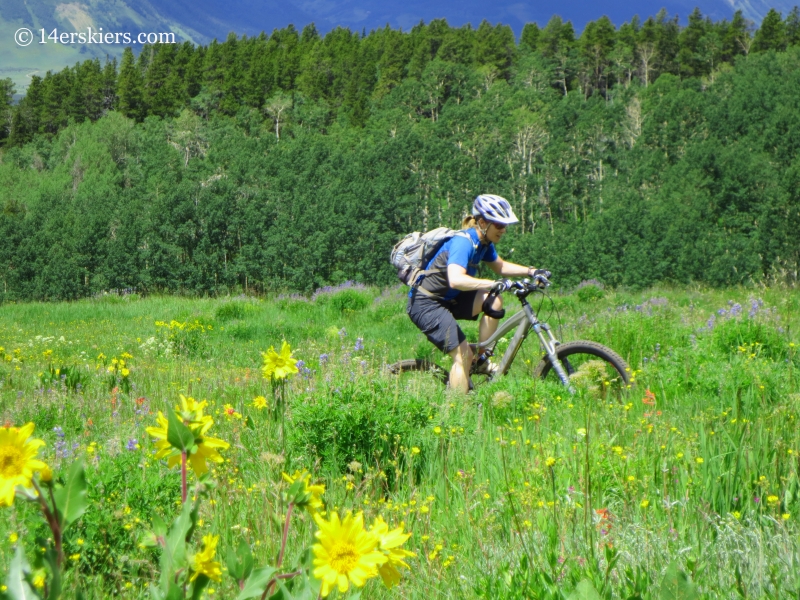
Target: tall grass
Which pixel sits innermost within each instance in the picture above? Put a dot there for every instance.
(518, 490)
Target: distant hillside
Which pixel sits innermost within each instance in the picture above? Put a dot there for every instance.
(203, 20)
(631, 156)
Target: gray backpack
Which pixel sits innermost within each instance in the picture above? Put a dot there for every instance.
(412, 254)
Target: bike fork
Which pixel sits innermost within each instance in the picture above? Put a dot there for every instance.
(549, 343)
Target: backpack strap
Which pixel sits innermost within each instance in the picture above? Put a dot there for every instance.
(419, 274)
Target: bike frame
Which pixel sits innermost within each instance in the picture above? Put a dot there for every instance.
(524, 321)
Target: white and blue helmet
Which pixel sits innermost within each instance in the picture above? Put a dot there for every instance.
(494, 208)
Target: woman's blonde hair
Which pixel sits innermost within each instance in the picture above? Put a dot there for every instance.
(468, 222)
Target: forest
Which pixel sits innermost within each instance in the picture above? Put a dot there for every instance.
(649, 152)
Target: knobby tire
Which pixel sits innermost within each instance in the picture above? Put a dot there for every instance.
(564, 351)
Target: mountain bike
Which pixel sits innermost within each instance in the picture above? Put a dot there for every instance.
(594, 362)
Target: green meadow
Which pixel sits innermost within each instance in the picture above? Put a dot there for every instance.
(684, 485)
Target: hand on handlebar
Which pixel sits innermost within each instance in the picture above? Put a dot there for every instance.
(501, 285)
(542, 272)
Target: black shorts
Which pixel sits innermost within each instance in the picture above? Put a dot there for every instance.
(437, 318)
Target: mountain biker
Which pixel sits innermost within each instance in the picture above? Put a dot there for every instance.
(449, 290)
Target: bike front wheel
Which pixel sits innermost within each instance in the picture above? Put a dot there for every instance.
(586, 361)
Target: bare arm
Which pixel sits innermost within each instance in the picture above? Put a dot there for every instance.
(458, 279)
(508, 269)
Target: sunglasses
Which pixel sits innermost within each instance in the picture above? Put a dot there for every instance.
(498, 225)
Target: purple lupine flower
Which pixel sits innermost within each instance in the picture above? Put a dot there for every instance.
(58, 431)
(736, 310)
(323, 358)
(722, 312)
(332, 289)
(710, 322)
(131, 445)
(754, 306)
(359, 345)
(61, 449)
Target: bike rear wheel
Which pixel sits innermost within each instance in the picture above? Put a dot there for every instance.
(594, 362)
(419, 365)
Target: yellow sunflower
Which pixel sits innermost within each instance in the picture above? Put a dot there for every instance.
(203, 563)
(17, 460)
(279, 366)
(314, 503)
(346, 553)
(389, 543)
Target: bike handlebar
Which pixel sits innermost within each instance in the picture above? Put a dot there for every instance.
(520, 288)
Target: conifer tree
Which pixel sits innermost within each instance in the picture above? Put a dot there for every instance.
(772, 33)
(6, 113)
(130, 88)
(793, 27)
(530, 36)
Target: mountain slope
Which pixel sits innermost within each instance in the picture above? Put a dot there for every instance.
(203, 20)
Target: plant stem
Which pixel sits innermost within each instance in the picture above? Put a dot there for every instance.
(183, 478)
(284, 537)
(275, 579)
(515, 516)
(52, 522)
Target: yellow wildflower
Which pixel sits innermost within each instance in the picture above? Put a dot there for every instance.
(203, 562)
(346, 553)
(206, 448)
(314, 503)
(389, 543)
(17, 460)
(279, 366)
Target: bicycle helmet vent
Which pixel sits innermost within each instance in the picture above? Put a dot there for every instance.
(494, 208)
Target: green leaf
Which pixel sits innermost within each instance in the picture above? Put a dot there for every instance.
(159, 526)
(677, 585)
(256, 583)
(174, 553)
(584, 591)
(178, 435)
(198, 586)
(54, 591)
(240, 563)
(71, 499)
(302, 587)
(17, 580)
(175, 592)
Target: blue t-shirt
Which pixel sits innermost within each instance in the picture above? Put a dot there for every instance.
(458, 250)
